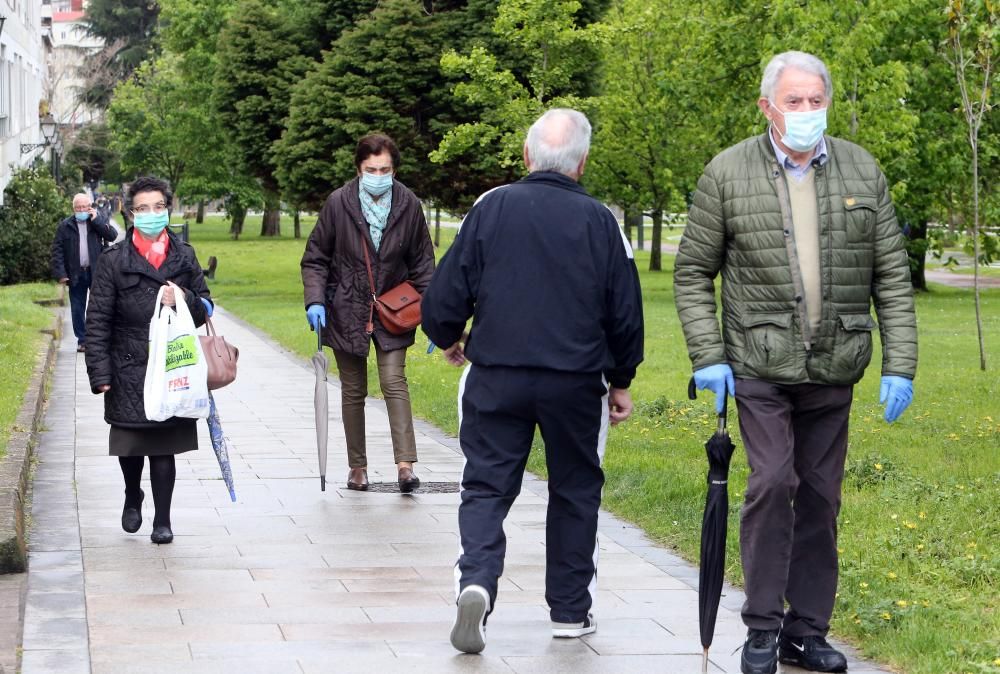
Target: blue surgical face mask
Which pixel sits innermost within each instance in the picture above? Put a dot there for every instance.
(81, 217)
(376, 185)
(151, 224)
(803, 130)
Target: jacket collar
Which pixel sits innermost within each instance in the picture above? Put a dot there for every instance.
(135, 263)
(555, 179)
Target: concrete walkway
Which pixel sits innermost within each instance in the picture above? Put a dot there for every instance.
(291, 579)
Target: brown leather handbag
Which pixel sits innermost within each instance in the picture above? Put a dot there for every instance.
(221, 357)
(398, 308)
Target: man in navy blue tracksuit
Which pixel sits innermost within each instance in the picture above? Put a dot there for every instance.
(548, 279)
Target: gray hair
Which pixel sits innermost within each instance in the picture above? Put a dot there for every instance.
(798, 60)
(558, 141)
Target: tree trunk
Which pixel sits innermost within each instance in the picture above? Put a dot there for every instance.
(238, 214)
(640, 224)
(918, 255)
(633, 220)
(437, 226)
(298, 224)
(200, 217)
(655, 251)
(271, 223)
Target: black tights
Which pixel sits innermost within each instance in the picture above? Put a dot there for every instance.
(162, 473)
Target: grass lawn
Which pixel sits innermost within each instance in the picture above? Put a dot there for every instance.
(920, 522)
(20, 323)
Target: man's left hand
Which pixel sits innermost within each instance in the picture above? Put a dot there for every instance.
(897, 394)
(619, 405)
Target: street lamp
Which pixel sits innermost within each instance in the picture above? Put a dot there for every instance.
(48, 124)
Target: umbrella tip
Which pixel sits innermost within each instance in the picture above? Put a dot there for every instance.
(322, 482)
(704, 660)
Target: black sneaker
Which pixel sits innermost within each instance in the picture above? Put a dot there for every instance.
(812, 653)
(760, 652)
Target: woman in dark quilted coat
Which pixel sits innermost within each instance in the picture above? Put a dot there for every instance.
(122, 301)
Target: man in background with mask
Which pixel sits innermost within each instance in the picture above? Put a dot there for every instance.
(802, 229)
(79, 240)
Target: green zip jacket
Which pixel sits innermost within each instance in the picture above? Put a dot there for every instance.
(740, 225)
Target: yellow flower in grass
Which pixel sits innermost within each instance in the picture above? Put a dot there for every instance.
(902, 603)
(891, 575)
(886, 615)
(922, 515)
(878, 466)
(970, 544)
(864, 584)
(925, 603)
(893, 516)
(909, 525)
(920, 546)
(996, 662)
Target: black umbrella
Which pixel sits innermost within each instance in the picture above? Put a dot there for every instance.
(713, 527)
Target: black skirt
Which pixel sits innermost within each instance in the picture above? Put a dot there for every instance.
(179, 436)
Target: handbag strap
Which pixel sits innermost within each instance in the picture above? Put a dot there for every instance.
(209, 328)
(370, 325)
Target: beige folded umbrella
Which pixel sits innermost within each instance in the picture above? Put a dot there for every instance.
(320, 402)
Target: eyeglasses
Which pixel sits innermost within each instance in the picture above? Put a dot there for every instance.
(155, 208)
(83, 208)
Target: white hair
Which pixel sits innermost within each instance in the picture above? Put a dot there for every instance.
(558, 141)
(798, 60)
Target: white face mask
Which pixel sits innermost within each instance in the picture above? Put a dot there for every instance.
(803, 130)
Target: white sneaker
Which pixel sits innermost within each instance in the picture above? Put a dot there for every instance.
(469, 633)
(573, 630)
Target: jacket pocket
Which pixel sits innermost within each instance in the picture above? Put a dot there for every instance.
(860, 213)
(852, 347)
(770, 343)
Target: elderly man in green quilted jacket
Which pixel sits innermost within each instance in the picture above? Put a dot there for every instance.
(802, 230)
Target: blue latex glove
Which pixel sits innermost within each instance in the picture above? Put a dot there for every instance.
(897, 393)
(717, 378)
(209, 307)
(316, 315)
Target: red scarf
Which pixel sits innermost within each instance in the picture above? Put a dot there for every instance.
(154, 251)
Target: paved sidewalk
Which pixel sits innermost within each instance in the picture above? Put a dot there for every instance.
(291, 579)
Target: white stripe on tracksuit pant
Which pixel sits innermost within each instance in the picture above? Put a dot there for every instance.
(499, 408)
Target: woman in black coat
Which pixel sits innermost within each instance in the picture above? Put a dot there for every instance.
(122, 301)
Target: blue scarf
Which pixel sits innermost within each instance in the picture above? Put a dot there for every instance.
(376, 213)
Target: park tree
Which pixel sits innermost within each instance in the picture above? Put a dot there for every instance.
(974, 54)
(89, 151)
(154, 128)
(647, 150)
(542, 57)
(381, 75)
(258, 60)
(128, 29)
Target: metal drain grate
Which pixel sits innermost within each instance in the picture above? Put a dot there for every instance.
(424, 488)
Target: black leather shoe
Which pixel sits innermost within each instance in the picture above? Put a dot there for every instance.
(132, 515)
(161, 535)
(760, 652)
(812, 653)
(407, 480)
(357, 479)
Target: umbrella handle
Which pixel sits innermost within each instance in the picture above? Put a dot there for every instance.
(319, 340)
(693, 395)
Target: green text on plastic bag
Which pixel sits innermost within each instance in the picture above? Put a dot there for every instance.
(181, 352)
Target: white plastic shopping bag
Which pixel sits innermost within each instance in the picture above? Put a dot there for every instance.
(176, 374)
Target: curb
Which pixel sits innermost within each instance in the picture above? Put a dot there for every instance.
(16, 465)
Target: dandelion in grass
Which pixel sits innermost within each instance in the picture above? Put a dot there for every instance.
(909, 525)
(925, 603)
(920, 547)
(970, 544)
(922, 515)
(902, 603)
(878, 466)
(891, 575)
(864, 584)
(886, 615)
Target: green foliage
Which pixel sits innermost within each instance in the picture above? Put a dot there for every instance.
(156, 130)
(90, 152)
(543, 60)
(32, 208)
(381, 75)
(128, 28)
(21, 323)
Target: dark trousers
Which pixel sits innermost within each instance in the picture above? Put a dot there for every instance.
(796, 442)
(78, 304)
(499, 409)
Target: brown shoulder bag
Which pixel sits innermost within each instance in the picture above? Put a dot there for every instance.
(398, 308)
(221, 357)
